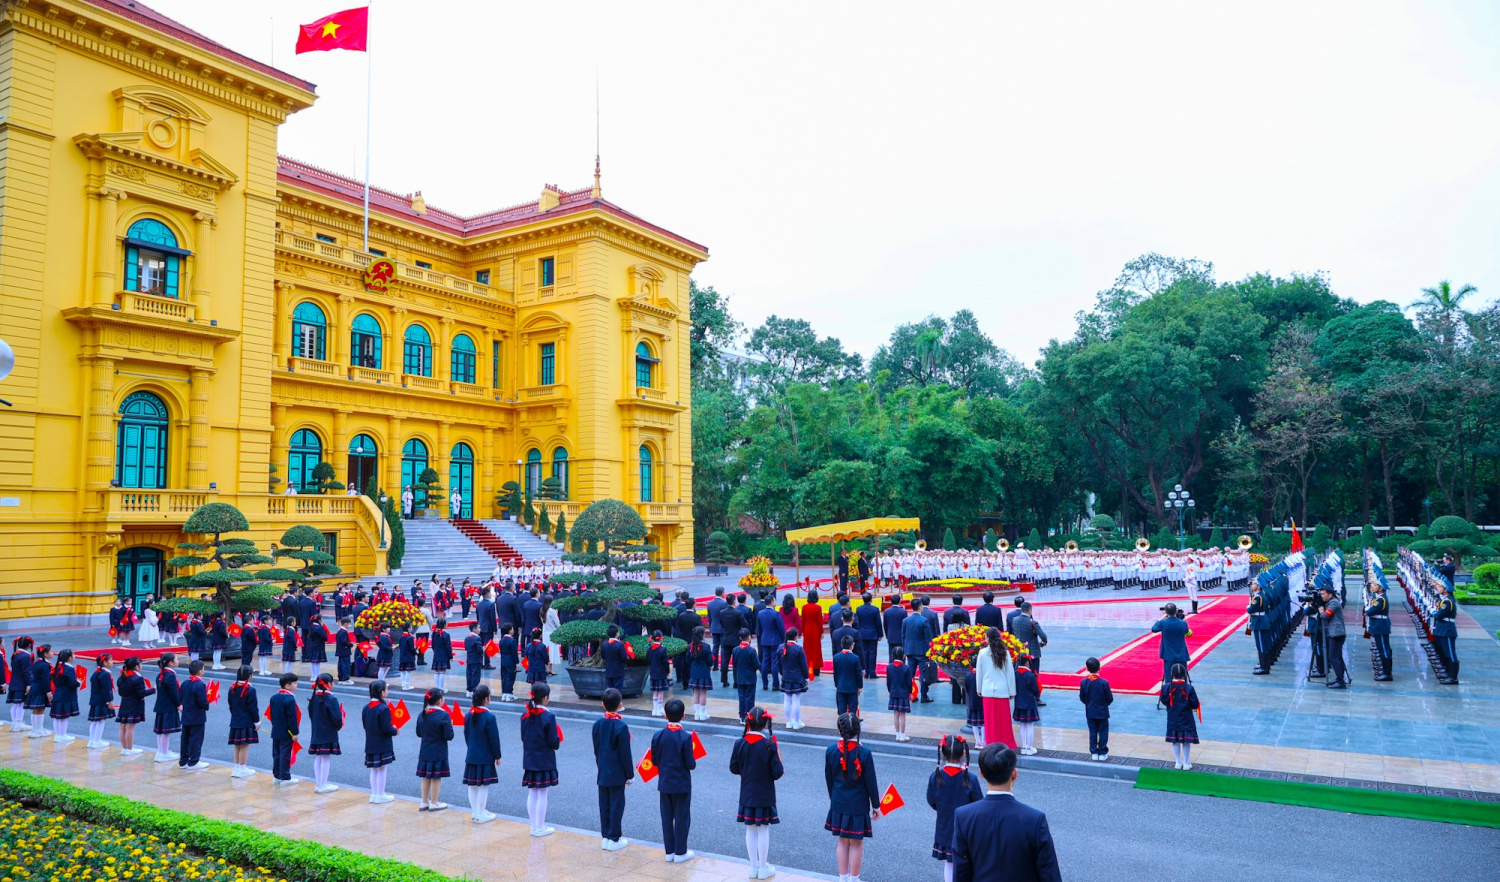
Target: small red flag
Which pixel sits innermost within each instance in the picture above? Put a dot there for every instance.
(492, 649)
(364, 647)
(890, 801)
(916, 689)
(296, 749)
(629, 650)
(267, 714)
(235, 630)
(399, 714)
(341, 30)
(113, 632)
(647, 768)
(455, 714)
(213, 692)
(699, 752)
(83, 682)
(422, 644)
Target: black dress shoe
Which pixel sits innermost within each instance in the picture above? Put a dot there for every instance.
(1337, 686)
(1384, 678)
(1259, 672)
(1041, 703)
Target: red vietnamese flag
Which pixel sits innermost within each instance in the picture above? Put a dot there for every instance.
(296, 749)
(890, 801)
(455, 714)
(1296, 539)
(647, 768)
(699, 752)
(492, 649)
(83, 682)
(399, 714)
(213, 692)
(342, 30)
(267, 714)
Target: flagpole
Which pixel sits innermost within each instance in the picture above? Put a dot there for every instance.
(368, 92)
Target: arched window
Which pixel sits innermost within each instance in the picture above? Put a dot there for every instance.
(305, 454)
(461, 477)
(416, 352)
(648, 481)
(413, 463)
(464, 358)
(363, 460)
(560, 470)
(645, 366)
(364, 341)
(533, 472)
(309, 331)
(152, 258)
(141, 443)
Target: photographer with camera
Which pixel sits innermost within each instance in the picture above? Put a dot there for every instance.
(1312, 612)
(1331, 618)
(1174, 631)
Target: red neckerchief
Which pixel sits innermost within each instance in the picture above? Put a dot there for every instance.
(846, 652)
(243, 686)
(844, 748)
(533, 711)
(610, 715)
(374, 702)
(674, 727)
(953, 771)
(656, 644)
(431, 709)
(286, 692)
(752, 737)
(478, 710)
(744, 644)
(1093, 676)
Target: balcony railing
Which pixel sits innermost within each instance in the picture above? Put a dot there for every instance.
(359, 260)
(155, 305)
(664, 512)
(371, 375)
(312, 506)
(316, 368)
(165, 505)
(427, 384)
(470, 390)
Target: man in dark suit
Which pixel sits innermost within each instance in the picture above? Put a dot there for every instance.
(892, 618)
(770, 633)
(955, 616)
(1010, 617)
(988, 614)
(732, 618)
(687, 621)
(867, 619)
(531, 613)
(1030, 633)
(845, 629)
(308, 611)
(999, 837)
(715, 625)
(485, 614)
(1174, 634)
(841, 568)
(508, 610)
(290, 609)
(863, 567)
(916, 638)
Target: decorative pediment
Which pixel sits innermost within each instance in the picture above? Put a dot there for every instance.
(133, 156)
(645, 284)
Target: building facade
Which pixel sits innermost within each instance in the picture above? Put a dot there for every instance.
(194, 315)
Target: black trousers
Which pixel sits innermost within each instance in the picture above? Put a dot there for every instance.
(726, 663)
(614, 683)
(848, 702)
(346, 668)
(869, 649)
(718, 644)
(1098, 736)
(486, 638)
(507, 679)
(192, 745)
(472, 673)
(770, 668)
(676, 819)
(281, 759)
(1383, 649)
(611, 811)
(1336, 659)
(681, 664)
(747, 699)
(919, 663)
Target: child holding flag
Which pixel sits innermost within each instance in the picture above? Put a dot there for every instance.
(541, 736)
(380, 751)
(537, 659)
(101, 701)
(481, 754)
(434, 730)
(168, 707)
(326, 716)
(194, 718)
(950, 787)
(616, 766)
(659, 671)
(673, 760)
(854, 796)
(64, 697)
(265, 641)
(315, 648)
(286, 724)
(244, 720)
(1181, 700)
(134, 690)
(509, 659)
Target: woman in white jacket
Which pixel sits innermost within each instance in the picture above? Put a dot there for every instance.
(996, 679)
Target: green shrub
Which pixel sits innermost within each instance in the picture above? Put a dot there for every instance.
(239, 844)
(1451, 527)
(396, 551)
(1469, 598)
(1487, 577)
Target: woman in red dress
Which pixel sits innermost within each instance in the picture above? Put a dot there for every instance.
(812, 633)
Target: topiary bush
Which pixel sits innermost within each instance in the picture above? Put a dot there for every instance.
(1487, 577)
(396, 551)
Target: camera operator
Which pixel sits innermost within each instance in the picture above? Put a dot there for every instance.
(1312, 608)
(1332, 619)
(1174, 633)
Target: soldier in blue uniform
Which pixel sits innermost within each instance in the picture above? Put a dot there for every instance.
(1445, 634)
(1260, 628)
(1378, 624)
(616, 765)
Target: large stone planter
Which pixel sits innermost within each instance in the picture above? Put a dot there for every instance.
(589, 682)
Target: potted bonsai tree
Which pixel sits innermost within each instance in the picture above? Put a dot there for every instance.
(433, 504)
(640, 604)
(228, 587)
(508, 500)
(718, 553)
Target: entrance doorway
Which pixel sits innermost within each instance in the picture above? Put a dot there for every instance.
(138, 573)
(363, 454)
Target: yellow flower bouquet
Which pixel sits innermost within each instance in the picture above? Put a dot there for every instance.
(960, 647)
(393, 613)
(760, 575)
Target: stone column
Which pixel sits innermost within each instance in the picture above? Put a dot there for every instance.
(201, 281)
(340, 331)
(101, 424)
(485, 492)
(282, 329)
(197, 469)
(393, 464)
(106, 283)
(395, 357)
(440, 462)
(281, 443)
(484, 374)
(338, 453)
(442, 365)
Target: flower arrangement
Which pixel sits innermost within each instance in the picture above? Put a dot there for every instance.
(961, 646)
(960, 584)
(760, 575)
(392, 613)
(1258, 558)
(45, 845)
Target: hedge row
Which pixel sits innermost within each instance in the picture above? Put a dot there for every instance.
(237, 843)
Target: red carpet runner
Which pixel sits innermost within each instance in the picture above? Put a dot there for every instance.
(1135, 668)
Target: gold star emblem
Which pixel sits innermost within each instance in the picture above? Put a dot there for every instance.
(331, 28)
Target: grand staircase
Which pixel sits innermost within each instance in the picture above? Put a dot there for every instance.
(436, 546)
(525, 542)
(480, 535)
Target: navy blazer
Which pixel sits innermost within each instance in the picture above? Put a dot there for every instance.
(134, 690)
(435, 729)
(101, 689)
(194, 702)
(244, 705)
(732, 621)
(481, 738)
(770, 628)
(485, 615)
(758, 763)
(343, 644)
(838, 635)
(64, 685)
(1174, 633)
(852, 787)
(990, 616)
(746, 664)
(408, 649)
(307, 610)
(672, 754)
(531, 616)
(1096, 696)
(508, 656)
(265, 640)
(612, 752)
(168, 697)
(326, 717)
(541, 736)
(286, 719)
(20, 671)
(473, 650)
(614, 657)
(848, 673)
(442, 648)
(898, 677)
(999, 837)
(867, 617)
(793, 666)
(505, 611)
(715, 624)
(379, 729)
(40, 685)
(537, 658)
(1181, 700)
(916, 636)
(949, 789)
(383, 651)
(660, 667)
(1028, 689)
(893, 617)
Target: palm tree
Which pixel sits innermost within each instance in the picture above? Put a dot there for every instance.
(1443, 299)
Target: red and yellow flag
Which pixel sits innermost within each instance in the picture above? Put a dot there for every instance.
(699, 751)
(342, 30)
(399, 714)
(647, 768)
(891, 800)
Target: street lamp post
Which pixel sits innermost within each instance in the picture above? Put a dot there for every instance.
(1180, 500)
(382, 518)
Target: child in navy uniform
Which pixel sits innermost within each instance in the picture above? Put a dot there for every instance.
(853, 793)
(134, 690)
(537, 660)
(848, 677)
(315, 648)
(218, 640)
(248, 639)
(510, 658)
(950, 787)
(244, 720)
(101, 701)
(343, 651)
(435, 730)
(20, 683)
(168, 707)
(39, 690)
(1181, 700)
(326, 717)
(266, 644)
(615, 652)
(672, 754)
(757, 760)
(1096, 696)
(379, 749)
(194, 718)
(473, 658)
(442, 654)
(407, 661)
(289, 640)
(481, 754)
(659, 670)
(975, 707)
(701, 661)
(746, 673)
(541, 736)
(64, 697)
(898, 681)
(793, 662)
(286, 724)
(616, 765)
(384, 654)
(1025, 712)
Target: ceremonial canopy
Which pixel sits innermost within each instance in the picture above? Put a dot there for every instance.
(853, 530)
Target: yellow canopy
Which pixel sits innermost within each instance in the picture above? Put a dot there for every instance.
(853, 530)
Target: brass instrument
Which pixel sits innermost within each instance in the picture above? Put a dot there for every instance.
(1244, 542)
(1070, 546)
(921, 544)
(1142, 544)
(1003, 544)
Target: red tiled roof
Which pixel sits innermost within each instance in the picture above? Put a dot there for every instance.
(142, 14)
(349, 190)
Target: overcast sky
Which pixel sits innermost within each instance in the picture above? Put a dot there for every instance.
(865, 164)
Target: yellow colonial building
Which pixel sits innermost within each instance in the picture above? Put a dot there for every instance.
(193, 314)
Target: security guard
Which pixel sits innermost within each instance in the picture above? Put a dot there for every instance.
(1378, 623)
(1445, 633)
(1332, 621)
(1260, 629)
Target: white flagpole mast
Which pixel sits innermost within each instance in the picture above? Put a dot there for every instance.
(368, 90)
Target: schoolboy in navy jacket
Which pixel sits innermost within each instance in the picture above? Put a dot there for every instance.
(616, 768)
(746, 669)
(616, 653)
(672, 754)
(537, 659)
(194, 717)
(1096, 696)
(286, 724)
(848, 678)
(510, 659)
(473, 658)
(343, 650)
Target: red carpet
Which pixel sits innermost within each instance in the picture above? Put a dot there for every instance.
(120, 653)
(1135, 668)
(481, 535)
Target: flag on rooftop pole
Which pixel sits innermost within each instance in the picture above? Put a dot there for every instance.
(350, 30)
